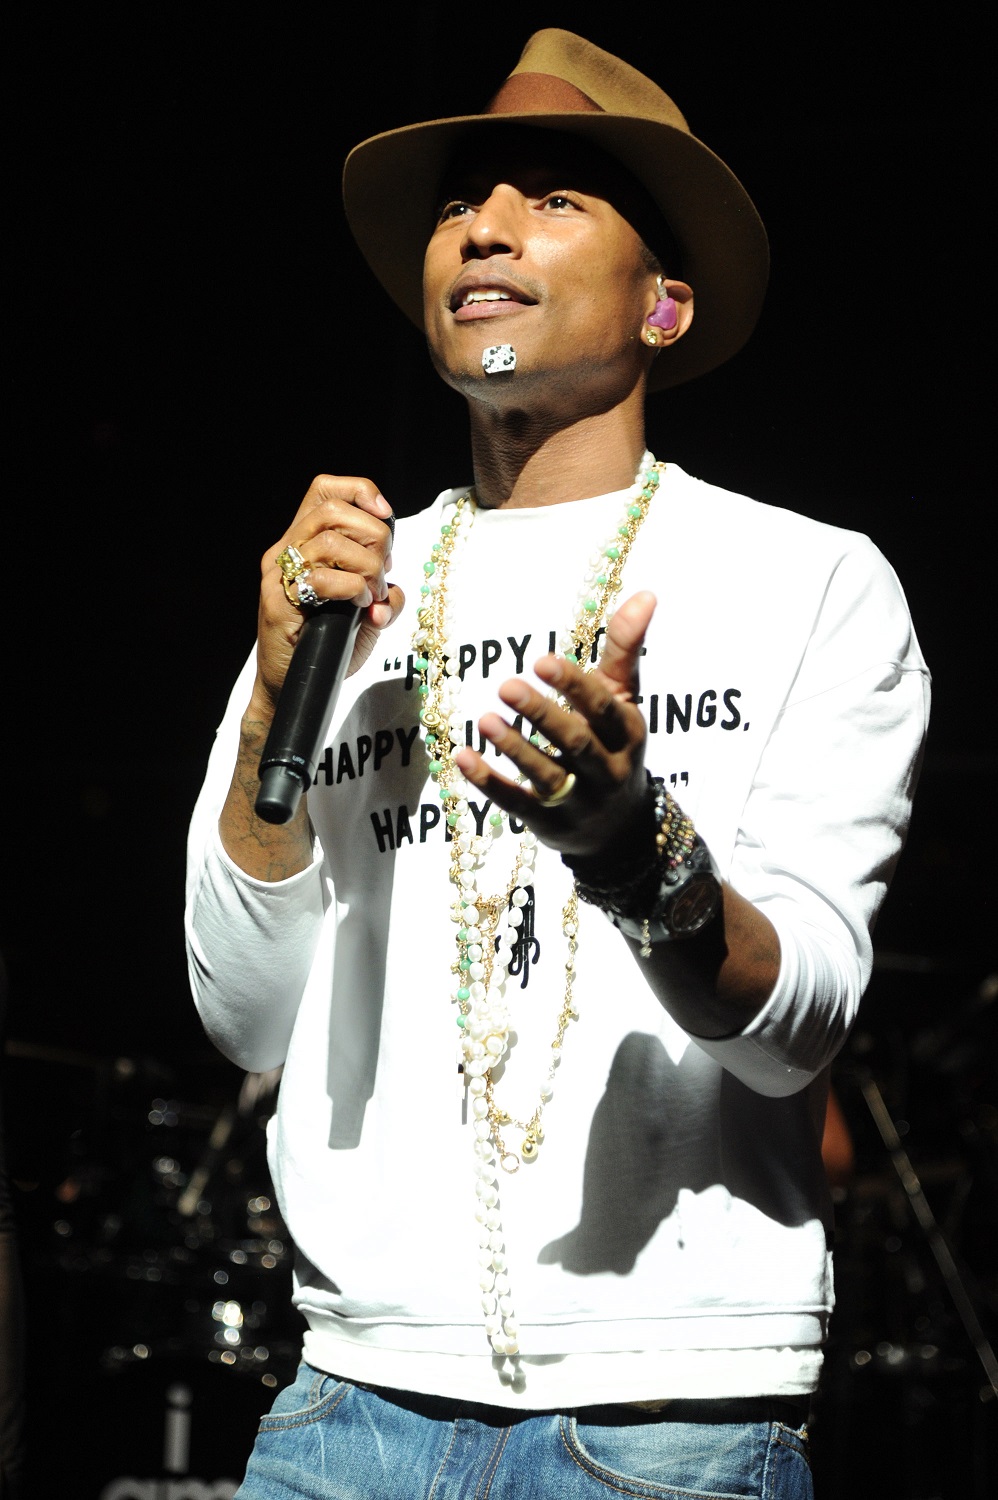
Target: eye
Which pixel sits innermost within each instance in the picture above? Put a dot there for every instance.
(457, 208)
(560, 202)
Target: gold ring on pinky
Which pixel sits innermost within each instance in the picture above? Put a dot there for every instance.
(561, 795)
(291, 563)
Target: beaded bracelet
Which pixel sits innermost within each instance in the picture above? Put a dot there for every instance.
(676, 835)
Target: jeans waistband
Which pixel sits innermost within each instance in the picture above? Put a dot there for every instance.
(791, 1411)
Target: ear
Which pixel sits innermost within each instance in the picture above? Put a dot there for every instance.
(670, 313)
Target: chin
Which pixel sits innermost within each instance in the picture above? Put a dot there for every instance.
(464, 372)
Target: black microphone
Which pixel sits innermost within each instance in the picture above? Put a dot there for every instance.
(318, 666)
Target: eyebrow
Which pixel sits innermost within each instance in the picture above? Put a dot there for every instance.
(569, 163)
(475, 185)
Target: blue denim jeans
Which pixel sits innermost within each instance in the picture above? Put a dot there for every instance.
(327, 1439)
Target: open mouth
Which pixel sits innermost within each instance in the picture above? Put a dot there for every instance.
(471, 300)
(471, 297)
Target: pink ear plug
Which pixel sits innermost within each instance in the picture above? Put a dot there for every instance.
(665, 315)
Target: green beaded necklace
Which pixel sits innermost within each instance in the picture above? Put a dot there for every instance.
(483, 945)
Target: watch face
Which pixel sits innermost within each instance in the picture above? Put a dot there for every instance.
(695, 904)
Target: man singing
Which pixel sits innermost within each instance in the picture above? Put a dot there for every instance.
(558, 948)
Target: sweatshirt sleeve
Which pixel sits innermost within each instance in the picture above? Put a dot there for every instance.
(250, 943)
(826, 818)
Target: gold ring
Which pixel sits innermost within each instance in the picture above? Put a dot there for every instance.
(291, 563)
(561, 795)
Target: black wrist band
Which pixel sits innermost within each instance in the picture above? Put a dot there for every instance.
(614, 886)
(676, 890)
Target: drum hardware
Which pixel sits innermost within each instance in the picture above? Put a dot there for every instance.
(173, 1231)
(933, 1236)
(903, 1356)
(187, 1203)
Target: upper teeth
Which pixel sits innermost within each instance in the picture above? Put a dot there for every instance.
(485, 297)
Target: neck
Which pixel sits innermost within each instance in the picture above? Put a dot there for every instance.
(521, 460)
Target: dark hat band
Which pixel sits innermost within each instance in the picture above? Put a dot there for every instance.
(540, 94)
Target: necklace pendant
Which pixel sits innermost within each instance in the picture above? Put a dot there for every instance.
(530, 1147)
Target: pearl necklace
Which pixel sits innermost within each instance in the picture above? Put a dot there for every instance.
(487, 924)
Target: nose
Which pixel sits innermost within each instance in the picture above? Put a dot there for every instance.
(494, 227)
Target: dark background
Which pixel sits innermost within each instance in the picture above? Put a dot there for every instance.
(195, 336)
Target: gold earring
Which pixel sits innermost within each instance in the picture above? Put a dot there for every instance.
(651, 336)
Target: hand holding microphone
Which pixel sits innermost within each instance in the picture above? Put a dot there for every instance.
(324, 601)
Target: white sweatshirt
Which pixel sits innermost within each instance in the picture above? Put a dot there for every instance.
(672, 1237)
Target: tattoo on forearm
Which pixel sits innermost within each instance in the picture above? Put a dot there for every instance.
(269, 851)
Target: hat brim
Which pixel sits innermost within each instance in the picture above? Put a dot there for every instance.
(391, 182)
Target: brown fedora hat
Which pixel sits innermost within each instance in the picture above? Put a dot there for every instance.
(564, 83)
